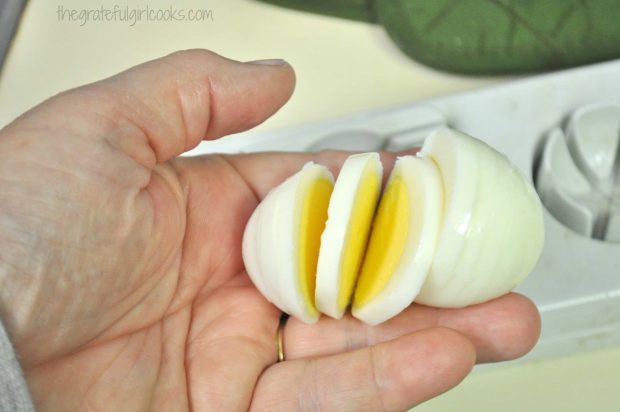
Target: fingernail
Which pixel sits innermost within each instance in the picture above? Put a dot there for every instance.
(269, 62)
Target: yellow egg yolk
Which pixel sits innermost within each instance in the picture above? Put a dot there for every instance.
(387, 242)
(357, 231)
(312, 222)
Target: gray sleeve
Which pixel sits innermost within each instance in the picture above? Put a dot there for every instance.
(14, 394)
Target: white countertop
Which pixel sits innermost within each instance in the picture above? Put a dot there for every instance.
(342, 67)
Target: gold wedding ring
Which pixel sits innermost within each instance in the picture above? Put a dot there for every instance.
(279, 337)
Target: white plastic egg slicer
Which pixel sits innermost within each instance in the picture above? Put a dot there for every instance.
(563, 131)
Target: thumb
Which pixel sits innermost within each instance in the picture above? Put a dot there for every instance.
(162, 108)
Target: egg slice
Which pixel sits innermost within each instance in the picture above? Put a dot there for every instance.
(343, 243)
(402, 242)
(493, 229)
(282, 238)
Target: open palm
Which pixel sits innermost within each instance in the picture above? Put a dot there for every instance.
(121, 279)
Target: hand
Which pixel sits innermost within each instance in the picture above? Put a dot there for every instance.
(121, 279)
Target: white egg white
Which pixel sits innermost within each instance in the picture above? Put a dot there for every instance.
(271, 243)
(493, 228)
(423, 184)
(335, 235)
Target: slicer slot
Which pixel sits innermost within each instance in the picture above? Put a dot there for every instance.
(577, 178)
(592, 134)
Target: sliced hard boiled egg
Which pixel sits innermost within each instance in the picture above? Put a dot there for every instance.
(343, 243)
(282, 239)
(456, 225)
(402, 242)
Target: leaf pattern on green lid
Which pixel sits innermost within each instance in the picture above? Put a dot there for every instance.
(489, 36)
